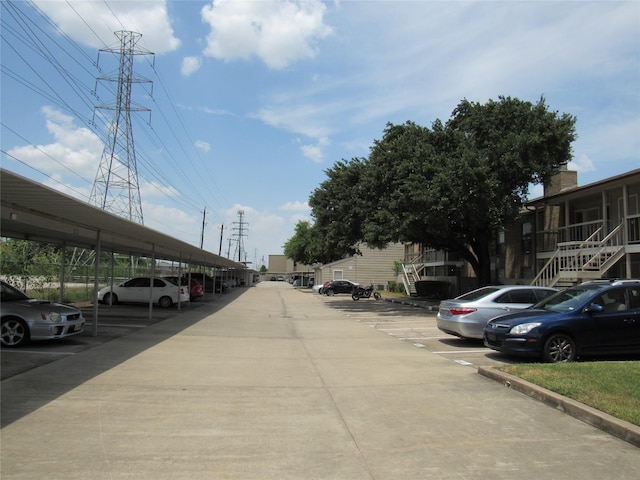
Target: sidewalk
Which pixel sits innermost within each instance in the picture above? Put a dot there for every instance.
(277, 385)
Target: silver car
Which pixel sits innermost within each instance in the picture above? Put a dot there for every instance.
(466, 316)
(25, 318)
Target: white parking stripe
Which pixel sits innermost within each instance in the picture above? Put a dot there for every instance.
(118, 325)
(404, 328)
(463, 362)
(37, 352)
(461, 351)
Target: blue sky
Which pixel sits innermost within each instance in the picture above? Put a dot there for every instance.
(251, 102)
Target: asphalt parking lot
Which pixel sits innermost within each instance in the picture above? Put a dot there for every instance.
(113, 321)
(415, 322)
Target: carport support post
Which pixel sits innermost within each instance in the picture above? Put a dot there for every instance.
(62, 279)
(153, 270)
(96, 286)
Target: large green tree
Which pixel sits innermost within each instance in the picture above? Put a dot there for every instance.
(339, 206)
(302, 247)
(451, 186)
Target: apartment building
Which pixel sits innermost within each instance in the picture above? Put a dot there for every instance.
(570, 234)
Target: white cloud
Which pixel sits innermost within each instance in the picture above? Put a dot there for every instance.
(277, 32)
(76, 150)
(442, 52)
(190, 65)
(315, 152)
(581, 164)
(296, 206)
(265, 232)
(157, 190)
(309, 120)
(202, 145)
(172, 221)
(94, 23)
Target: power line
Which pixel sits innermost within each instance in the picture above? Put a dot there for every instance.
(24, 35)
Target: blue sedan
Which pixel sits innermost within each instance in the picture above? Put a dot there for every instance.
(595, 318)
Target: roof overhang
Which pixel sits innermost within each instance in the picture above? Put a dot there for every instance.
(32, 211)
(592, 188)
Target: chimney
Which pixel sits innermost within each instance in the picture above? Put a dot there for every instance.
(561, 181)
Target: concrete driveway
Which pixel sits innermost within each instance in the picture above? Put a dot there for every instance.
(273, 383)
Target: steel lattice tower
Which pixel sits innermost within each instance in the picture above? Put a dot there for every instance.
(241, 231)
(116, 187)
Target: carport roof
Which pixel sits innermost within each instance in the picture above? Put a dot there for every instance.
(32, 211)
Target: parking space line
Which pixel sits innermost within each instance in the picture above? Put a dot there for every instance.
(404, 328)
(456, 352)
(36, 352)
(118, 325)
(463, 362)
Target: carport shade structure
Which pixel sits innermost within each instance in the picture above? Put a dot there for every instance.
(32, 211)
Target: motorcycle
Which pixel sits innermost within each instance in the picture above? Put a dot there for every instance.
(359, 292)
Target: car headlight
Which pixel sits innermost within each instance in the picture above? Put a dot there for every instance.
(524, 328)
(54, 317)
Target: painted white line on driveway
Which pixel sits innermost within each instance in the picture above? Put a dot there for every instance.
(462, 351)
(31, 352)
(403, 328)
(464, 362)
(131, 325)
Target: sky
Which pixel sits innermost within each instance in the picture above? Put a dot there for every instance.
(242, 106)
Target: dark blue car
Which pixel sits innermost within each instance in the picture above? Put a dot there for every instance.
(595, 318)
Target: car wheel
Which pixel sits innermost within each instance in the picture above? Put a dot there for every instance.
(330, 292)
(559, 347)
(110, 298)
(165, 302)
(15, 332)
(355, 296)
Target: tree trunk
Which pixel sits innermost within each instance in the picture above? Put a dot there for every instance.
(483, 270)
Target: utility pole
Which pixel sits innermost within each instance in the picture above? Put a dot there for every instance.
(221, 232)
(204, 216)
(116, 187)
(241, 231)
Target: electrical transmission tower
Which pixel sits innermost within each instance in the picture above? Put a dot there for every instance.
(239, 232)
(116, 187)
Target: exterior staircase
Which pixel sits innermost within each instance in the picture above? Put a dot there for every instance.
(574, 262)
(410, 276)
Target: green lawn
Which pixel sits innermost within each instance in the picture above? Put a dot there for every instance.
(612, 387)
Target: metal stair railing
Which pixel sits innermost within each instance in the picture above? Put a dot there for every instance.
(589, 258)
(410, 275)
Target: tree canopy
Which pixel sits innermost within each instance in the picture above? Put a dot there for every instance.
(450, 187)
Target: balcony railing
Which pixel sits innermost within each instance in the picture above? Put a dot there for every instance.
(548, 240)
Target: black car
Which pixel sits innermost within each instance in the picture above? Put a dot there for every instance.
(338, 286)
(598, 317)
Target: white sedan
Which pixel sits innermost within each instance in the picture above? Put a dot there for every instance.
(138, 290)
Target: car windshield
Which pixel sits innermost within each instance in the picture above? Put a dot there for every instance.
(565, 300)
(8, 293)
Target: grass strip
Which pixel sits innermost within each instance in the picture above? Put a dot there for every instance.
(611, 387)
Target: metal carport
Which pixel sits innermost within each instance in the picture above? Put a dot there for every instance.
(32, 211)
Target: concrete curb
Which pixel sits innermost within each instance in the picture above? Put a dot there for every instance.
(612, 425)
(413, 303)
